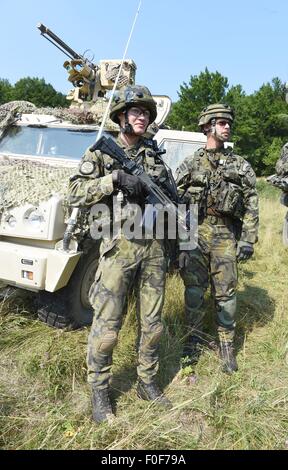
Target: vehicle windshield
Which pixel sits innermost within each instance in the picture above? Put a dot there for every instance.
(47, 142)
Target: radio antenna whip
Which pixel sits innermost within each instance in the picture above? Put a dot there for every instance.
(118, 76)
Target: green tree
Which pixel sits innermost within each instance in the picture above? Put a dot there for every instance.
(204, 89)
(5, 91)
(272, 155)
(38, 92)
(261, 119)
(244, 128)
(265, 107)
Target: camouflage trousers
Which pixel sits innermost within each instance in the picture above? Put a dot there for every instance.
(215, 262)
(138, 263)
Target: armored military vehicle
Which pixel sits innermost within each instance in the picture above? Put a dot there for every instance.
(39, 150)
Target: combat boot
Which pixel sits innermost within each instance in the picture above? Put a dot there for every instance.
(192, 351)
(152, 392)
(228, 357)
(101, 405)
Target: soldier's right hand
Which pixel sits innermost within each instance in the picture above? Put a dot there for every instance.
(244, 251)
(130, 184)
(183, 259)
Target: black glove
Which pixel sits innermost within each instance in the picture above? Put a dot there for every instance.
(183, 259)
(131, 185)
(244, 251)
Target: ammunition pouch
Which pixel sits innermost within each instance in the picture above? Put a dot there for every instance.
(229, 200)
(195, 195)
(197, 191)
(155, 168)
(232, 176)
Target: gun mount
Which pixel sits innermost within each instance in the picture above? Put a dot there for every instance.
(91, 81)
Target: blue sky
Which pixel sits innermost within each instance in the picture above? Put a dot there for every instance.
(244, 41)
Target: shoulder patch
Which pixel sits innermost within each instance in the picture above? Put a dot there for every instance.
(87, 168)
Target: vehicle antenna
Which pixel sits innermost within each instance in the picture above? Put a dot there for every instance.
(119, 74)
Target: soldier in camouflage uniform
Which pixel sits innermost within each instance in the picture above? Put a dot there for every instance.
(124, 263)
(222, 184)
(282, 162)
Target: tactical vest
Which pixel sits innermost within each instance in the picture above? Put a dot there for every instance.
(215, 182)
(146, 156)
(152, 163)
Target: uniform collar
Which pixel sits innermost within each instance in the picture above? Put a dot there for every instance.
(215, 151)
(132, 150)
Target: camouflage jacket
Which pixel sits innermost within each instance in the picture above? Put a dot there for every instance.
(93, 181)
(282, 163)
(223, 182)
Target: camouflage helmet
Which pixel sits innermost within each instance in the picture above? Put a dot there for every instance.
(132, 95)
(214, 111)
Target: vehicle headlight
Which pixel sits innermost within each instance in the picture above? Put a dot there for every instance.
(11, 221)
(35, 219)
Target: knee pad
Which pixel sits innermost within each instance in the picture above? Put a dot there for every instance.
(107, 341)
(226, 312)
(194, 297)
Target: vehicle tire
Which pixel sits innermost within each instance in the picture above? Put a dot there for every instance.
(69, 307)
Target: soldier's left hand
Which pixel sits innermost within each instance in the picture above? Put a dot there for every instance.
(131, 184)
(244, 251)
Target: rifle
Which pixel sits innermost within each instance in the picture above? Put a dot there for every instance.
(155, 194)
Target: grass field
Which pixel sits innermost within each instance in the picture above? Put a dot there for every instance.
(45, 402)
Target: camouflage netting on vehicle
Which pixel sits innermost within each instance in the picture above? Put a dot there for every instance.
(26, 181)
(10, 111)
(83, 114)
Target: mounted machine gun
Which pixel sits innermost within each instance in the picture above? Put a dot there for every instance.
(91, 81)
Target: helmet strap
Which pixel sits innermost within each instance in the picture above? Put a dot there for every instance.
(127, 129)
(213, 127)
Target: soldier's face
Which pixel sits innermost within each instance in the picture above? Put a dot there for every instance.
(223, 129)
(138, 118)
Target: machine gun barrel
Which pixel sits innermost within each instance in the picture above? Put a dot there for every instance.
(61, 45)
